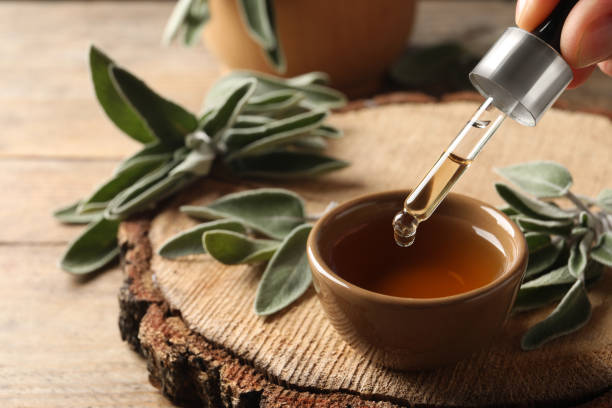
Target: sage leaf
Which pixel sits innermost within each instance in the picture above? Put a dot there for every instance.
(197, 163)
(284, 164)
(154, 149)
(287, 275)
(281, 105)
(539, 178)
(194, 23)
(169, 122)
(573, 312)
(259, 18)
(602, 252)
(273, 98)
(307, 122)
(70, 215)
(604, 199)
(249, 121)
(93, 249)
(315, 143)
(231, 248)
(579, 255)
(118, 110)
(316, 95)
(551, 287)
(310, 78)
(291, 127)
(563, 228)
(223, 104)
(123, 179)
(579, 231)
(327, 131)
(536, 241)
(543, 258)
(530, 207)
(189, 241)
(509, 211)
(270, 211)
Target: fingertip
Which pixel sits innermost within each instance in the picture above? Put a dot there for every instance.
(530, 13)
(606, 67)
(580, 76)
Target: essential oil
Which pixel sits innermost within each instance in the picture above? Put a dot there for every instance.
(449, 257)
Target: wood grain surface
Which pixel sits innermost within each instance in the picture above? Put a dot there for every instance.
(59, 344)
(389, 147)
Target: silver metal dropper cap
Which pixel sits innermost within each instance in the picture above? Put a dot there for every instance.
(523, 74)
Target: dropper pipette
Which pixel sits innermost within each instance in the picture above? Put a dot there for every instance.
(521, 76)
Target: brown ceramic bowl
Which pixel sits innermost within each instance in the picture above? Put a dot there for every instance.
(409, 333)
(353, 41)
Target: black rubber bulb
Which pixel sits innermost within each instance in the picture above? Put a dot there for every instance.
(551, 27)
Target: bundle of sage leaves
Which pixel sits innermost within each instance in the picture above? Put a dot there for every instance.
(252, 125)
(568, 247)
(252, 226)
(189, 17)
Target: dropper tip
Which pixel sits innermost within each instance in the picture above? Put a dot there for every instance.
(404, 228)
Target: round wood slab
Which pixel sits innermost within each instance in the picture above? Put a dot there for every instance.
(193, 320)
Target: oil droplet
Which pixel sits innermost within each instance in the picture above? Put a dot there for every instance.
(404, 228)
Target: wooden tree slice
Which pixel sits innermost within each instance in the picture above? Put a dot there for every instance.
(193, 320)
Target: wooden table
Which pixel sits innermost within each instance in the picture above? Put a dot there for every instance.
(59, 343)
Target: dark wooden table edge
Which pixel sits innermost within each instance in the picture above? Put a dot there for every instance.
(192, 371)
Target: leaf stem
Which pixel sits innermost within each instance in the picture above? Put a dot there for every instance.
(599, 226)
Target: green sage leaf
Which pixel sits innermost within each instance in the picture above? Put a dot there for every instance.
(543, 258)
(154, 149)
(551, 287)
(573, 312)
(194, 22)
(579, 231)
(118, 110)
(169, 122)
(270, 211)
(536, 241)
(579, 256)
(189, 242)
(316, 95)
(93, 249)
(301, 125)
(249, 121)
(126, 177)
(310, 78)
(313, 143)
(327, 131)
(604, 199)
(287, 275)
(539, 178)
(283, 129)
(509, 211)
(530, 207)
(71, 215)
(223, 104)
(285, 165)
(602, 252)
(563, 228)
(231, 248)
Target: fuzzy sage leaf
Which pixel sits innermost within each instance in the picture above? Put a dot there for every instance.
(604, 199)
(529, 206)
(539, 178)
(272, 212)
(70, 214)
(231, 248)
(189, 242)
(93, 249)
(602, 253)
(169, 122)
(287, 275)
(114, 104)
(573, 312)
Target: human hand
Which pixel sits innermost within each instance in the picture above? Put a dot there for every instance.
(586, 39)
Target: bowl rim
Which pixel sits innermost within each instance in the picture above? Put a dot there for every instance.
(320, 267)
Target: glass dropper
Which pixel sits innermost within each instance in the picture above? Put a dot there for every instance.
(436, 184)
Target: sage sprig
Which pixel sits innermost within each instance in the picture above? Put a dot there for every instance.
(251, 125)
(189, 17)
(568, 247)
(276, 214)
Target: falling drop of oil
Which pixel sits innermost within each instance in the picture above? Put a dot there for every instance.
(404, 228)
